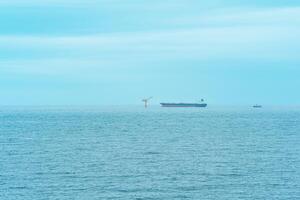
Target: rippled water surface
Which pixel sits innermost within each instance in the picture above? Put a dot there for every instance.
(132, 153)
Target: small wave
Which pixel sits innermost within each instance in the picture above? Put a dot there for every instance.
(152, 153)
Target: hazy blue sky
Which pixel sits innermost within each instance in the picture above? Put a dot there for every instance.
(82, 52)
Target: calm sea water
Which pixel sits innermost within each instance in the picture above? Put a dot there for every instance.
(160, 153)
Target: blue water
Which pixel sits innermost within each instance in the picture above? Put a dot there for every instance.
(92, 153)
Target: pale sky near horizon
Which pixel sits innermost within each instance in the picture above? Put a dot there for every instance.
(111, 52)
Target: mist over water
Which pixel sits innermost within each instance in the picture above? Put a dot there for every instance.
(159, 153)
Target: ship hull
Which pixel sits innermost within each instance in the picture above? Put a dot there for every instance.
(257, 106)
(184, 105)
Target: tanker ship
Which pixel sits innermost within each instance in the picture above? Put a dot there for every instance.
(202, 104)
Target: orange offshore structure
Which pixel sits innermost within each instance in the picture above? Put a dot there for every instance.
(146, 101)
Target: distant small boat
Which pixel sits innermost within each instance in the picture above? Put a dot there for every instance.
(257, 106)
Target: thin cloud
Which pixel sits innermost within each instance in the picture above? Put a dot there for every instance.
(197, 43)
(287, 16)
(259, 40)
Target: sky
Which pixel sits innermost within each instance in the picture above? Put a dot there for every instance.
(117, 52)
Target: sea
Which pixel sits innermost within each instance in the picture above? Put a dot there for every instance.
(132, 153)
